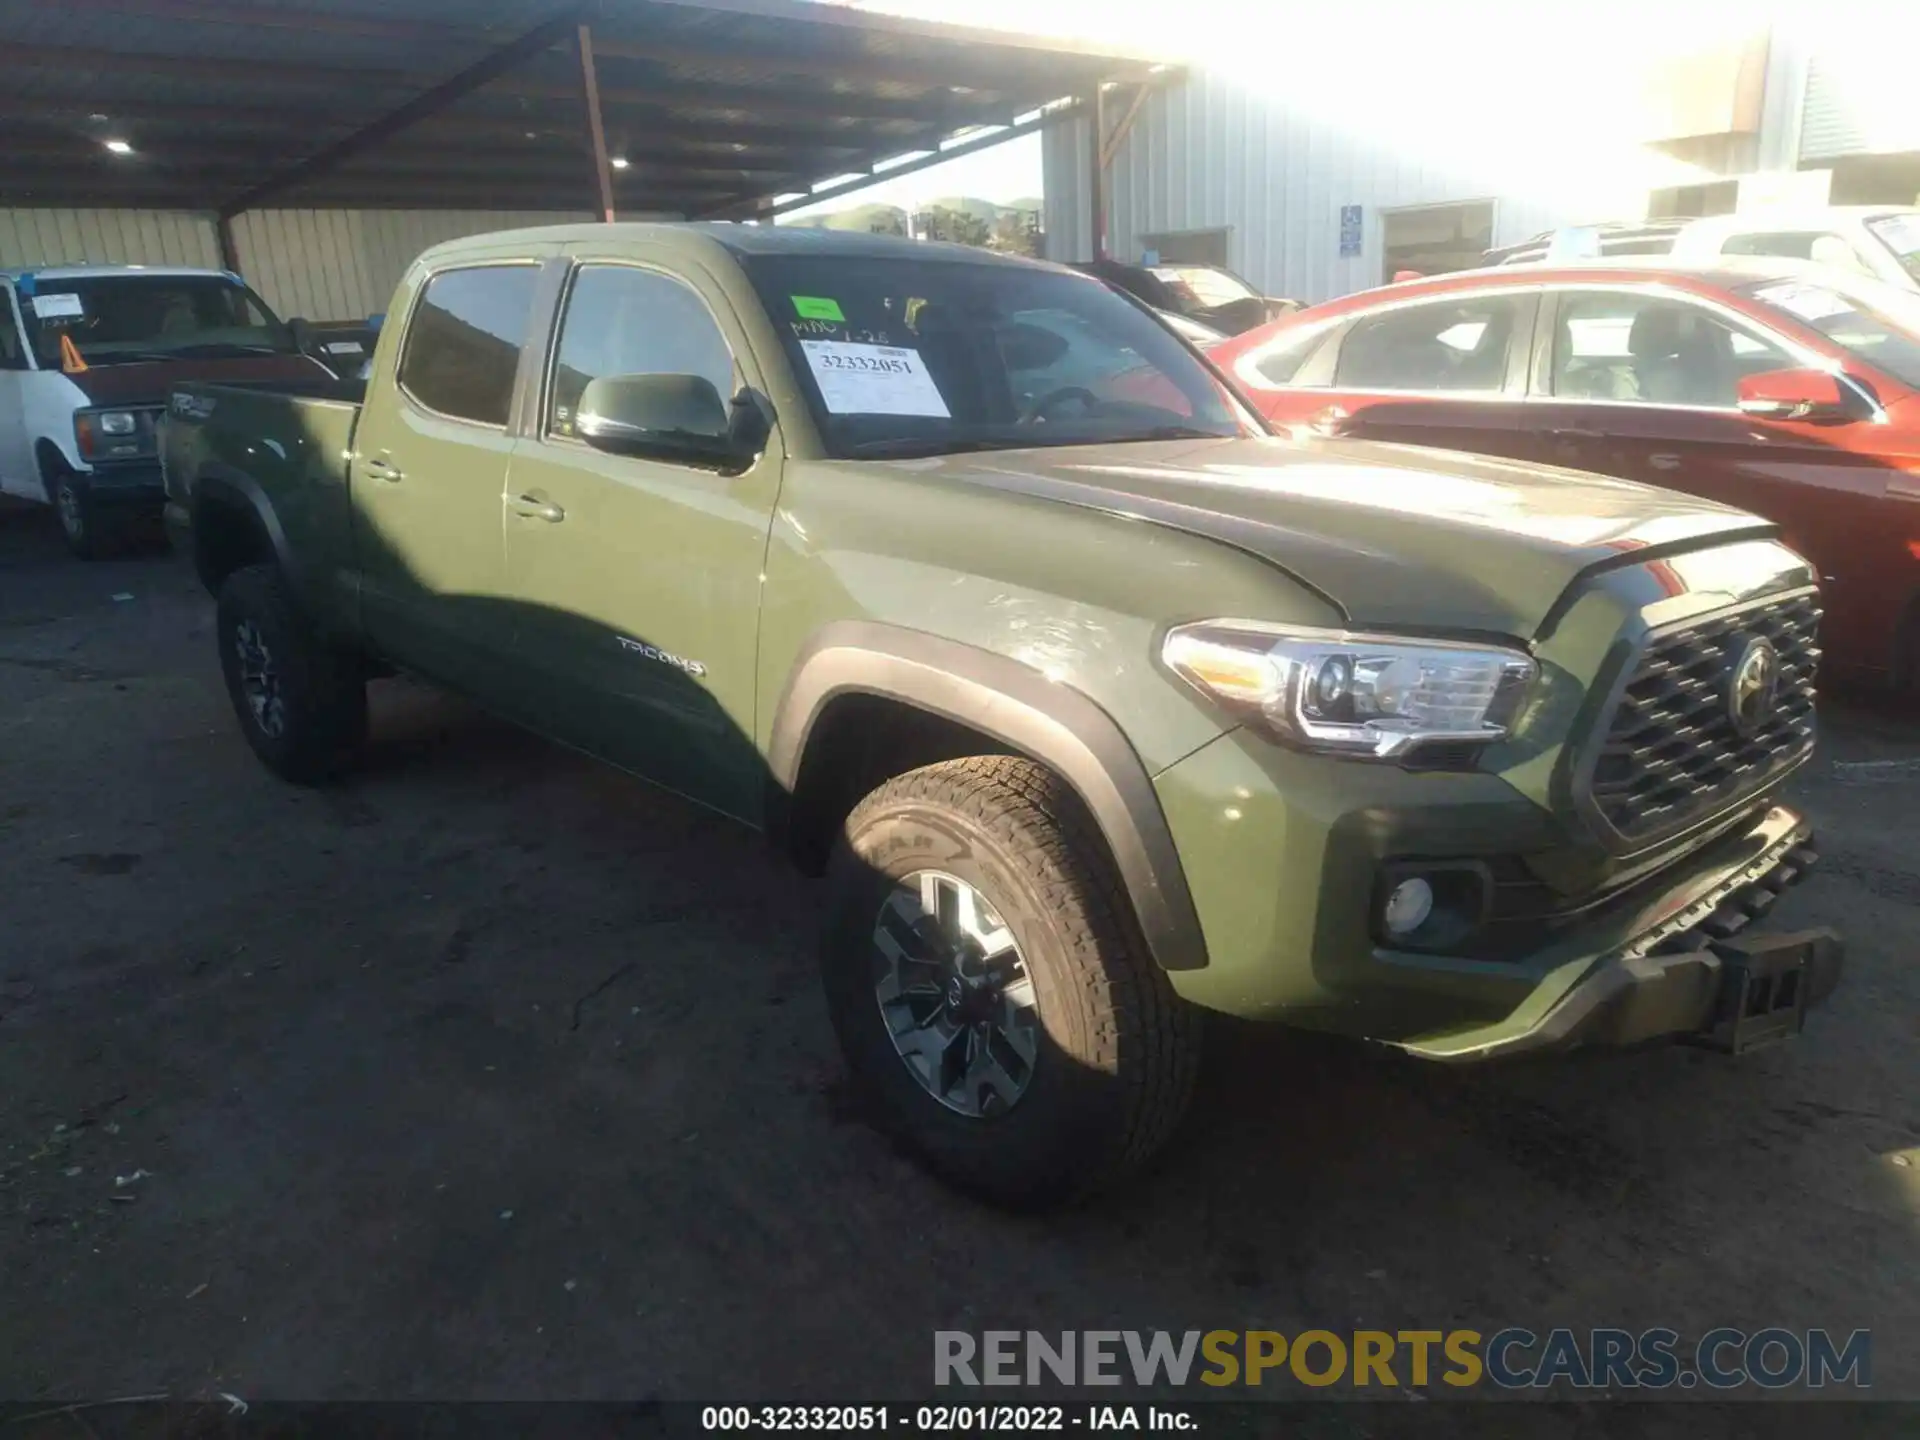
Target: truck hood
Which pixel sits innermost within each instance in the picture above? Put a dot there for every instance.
(1391, 534)
(151, 382)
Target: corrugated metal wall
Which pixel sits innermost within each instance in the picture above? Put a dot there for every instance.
(322, 264)
(119, 237)
(1209, 154)
(343, 264)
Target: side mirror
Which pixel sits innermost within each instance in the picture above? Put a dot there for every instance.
(1799, 394)
(665, 417)
(302, 332)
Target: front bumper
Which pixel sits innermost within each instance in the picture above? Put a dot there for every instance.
(1282, 852)
(133, 482)
(1701, 976)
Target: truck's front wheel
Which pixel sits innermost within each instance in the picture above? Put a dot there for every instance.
(990, 990)
(301, 703)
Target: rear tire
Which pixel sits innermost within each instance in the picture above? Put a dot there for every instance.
(1114, 1052)
(301, 703)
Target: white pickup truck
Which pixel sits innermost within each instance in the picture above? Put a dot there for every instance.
(88, 357)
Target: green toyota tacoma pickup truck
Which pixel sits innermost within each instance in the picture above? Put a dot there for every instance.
(976, 588)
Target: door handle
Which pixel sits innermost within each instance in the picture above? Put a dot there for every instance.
(379, 468)
(532, 507)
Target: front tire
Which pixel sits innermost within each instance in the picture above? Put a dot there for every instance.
(990, 990)
(301, 703)
(81, 524)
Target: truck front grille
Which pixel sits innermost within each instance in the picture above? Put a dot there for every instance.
(1674, 751)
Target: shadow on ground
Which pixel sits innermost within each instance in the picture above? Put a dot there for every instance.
(494, 1074)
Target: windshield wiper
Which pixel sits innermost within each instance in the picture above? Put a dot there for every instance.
(121, 357)
(1165, 432)
(908, 447)
(215, 348)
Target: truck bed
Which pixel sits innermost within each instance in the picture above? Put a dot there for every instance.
(282, 446)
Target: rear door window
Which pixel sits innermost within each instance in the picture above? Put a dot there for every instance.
(1280, 363)
(463, 345)
(1454, 344)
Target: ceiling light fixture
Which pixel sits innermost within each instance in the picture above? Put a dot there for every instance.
(118, 147)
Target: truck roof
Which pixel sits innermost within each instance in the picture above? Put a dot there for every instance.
(741, 240)
(88, 271)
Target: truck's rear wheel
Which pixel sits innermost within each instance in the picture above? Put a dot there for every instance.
(990, 990)
(301, 703)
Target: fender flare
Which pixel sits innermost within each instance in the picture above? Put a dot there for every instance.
(222, 484)
(1018, 706)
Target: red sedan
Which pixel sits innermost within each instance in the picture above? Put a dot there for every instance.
(1782, 389)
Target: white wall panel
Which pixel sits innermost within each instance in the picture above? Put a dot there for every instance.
(323, 264)
(1211, 153)
(343, 264)
(115, 237)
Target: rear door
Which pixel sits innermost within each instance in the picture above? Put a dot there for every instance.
(1640, 382)
(429, 469)
(1448, 370)
(638, 580)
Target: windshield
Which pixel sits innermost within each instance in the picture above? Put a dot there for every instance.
(1202, 285)
(913, 357)
(1875, 322)
(1900, 234)
(121, 319)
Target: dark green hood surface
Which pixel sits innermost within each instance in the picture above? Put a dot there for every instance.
(1394, 535)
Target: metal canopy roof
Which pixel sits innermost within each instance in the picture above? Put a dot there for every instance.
(714, 105)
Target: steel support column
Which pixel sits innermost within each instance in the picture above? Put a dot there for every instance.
(596, 128)
(1097, 174)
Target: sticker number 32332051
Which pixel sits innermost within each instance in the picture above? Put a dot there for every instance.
(873, 379)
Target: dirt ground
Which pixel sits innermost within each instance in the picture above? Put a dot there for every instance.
(492, 1073)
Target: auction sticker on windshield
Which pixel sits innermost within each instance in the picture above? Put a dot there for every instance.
(873, 379)
(56, 304)
(1809, 302)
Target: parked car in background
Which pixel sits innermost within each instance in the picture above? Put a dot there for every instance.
(1603, 241)
(1789, 389)
(968, 583)
(1210, 294)
(1882, 241)
(1194, 332)
(88, 355)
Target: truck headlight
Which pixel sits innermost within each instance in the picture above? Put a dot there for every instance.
(1373, 696)
(117, 422)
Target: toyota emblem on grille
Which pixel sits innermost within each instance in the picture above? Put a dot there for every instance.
(1753, 687)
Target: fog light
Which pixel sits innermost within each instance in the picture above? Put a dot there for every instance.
(1408, 906)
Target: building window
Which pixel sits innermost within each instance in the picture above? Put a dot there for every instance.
(1435, 239)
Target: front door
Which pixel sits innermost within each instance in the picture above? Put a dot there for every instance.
(638, 580)
(1449, 372)
(19, 472)
(429, 474)
(1642, 383)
